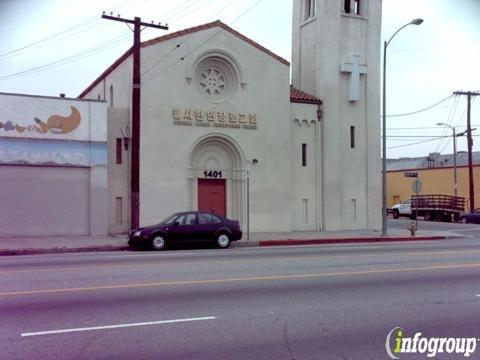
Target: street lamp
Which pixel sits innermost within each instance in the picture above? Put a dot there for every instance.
(454, 156)
(384, 127)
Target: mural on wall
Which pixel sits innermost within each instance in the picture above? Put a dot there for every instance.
(52, 152)
(55, 124)
(43, 131)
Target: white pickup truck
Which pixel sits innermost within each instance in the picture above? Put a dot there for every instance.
(402, 209)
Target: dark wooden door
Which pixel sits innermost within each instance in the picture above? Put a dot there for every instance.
(212, 196)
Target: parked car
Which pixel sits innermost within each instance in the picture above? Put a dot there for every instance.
(192, 226)
(470, 217)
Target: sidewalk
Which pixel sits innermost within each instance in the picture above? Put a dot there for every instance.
(65, 244)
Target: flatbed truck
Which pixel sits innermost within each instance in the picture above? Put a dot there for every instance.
(433, 207)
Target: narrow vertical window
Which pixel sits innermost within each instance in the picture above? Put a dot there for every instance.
(309, 9)
(352, 137)
(118, 211)
(356, 7)
(305, 210)
(119, 151)
(354, 210)
(111, 96)
(346, 6)
(304, 155)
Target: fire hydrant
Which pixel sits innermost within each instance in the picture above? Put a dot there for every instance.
(412, 228)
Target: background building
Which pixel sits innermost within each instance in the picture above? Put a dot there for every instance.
(53, 166)
(435, 171)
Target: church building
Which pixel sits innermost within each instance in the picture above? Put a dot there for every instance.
(230, 127)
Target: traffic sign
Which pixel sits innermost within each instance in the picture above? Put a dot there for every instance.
(417, 186)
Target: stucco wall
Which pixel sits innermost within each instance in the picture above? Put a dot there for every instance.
(118, 174)
(262, 89)
(44, 201)
(351, 176)
(307, 197)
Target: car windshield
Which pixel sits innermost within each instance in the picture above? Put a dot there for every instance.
(169, 220)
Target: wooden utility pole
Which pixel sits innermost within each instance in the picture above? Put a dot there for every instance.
(135, 161)
(469, 95)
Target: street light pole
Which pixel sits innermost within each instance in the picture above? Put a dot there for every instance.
(454, 157)
(384, 127)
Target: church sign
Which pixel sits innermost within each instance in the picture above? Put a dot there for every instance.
(191, 117)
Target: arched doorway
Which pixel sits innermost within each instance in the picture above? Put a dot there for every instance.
(216, 176)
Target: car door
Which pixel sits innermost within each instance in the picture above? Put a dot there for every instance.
(184, 228)
(207, 225)
(405, 207)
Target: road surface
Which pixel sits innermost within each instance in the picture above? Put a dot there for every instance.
(305, 302)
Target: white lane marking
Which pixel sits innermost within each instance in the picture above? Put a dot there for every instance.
(117, 326)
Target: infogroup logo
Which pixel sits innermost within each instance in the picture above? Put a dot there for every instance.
(398, 343)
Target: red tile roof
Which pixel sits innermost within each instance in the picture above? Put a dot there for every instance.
(188, 31)
(298, 96)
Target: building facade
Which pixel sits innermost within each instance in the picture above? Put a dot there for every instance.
(222, 129)
(335, 56)
(53, 166)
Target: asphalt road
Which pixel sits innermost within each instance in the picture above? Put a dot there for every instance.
(306, 302)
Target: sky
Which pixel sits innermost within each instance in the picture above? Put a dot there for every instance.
(48, 47)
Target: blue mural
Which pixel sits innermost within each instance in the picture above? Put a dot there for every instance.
(52, 152)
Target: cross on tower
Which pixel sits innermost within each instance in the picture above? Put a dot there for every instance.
(355, 69)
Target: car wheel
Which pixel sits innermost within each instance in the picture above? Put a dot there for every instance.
(158, 242)
(223, 240)
(395, 214)
(464, 220)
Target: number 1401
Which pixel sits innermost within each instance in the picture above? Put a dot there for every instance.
(212, 174)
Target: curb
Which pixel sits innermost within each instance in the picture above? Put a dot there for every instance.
(346, 240)
(5, 252)
(239, 244)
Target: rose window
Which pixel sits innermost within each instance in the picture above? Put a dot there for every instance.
(216, 78)
(212, 81)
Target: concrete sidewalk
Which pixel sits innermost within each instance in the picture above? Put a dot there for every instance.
(65, 244)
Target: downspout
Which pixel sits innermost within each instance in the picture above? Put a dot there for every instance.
(319, 167)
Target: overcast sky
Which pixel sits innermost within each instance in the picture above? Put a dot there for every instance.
(49, 47)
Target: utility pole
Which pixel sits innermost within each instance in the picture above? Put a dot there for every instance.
(135, 160)
(469, 95)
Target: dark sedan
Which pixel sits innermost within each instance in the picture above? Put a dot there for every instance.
(473, 217)
(192, 226)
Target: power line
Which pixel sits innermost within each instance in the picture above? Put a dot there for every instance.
(416, 136)
(75, 57)
(426, 127)
(422, 110)
(180, 44)
(202, 44)
(445, 128)
(59, 36)
(415, 143)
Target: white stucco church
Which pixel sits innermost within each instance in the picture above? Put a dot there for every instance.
(224, 128)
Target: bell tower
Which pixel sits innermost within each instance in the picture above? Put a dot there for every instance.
(336, 56)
